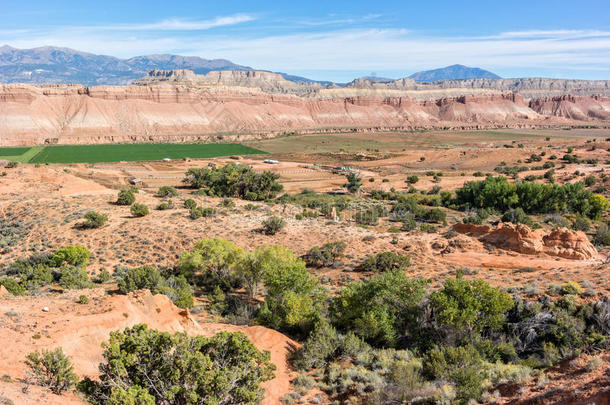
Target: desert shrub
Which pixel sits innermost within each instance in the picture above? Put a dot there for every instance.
(516, 216)
(436, 215)
(72, 277)
(397, 305)
(581, 223)
(83, 299)
(427, 228)
(52, 369)
(165, 205)
(126, 197)
(354, 182)
(74, 255)
(227, 203)
(602, 235)
(190, 203)
(145, 277)
(325, 255)
(557, 220)
(468, 308)
(321, 347)
(212, 262)
(571, 287)
(12, 286)
(598, 206)
(195, 213)
(208, 212)
(239, 181)
(593, 363)
(412, 179)
(292, 302)
(94, 220)
(167, 191)
(273, 225)
(590, 181)
(178, 369)
(462, 366)
(384, 262)
(408, 224)
(139, 210)
(11, 165)
(177, 289)
(367, 217)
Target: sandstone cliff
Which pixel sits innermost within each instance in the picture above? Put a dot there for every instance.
(172, 112)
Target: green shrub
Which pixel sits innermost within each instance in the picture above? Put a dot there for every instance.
(462, 366)
(103, 277)
(74, 255)
(470, 307)
(571, 287)
(273, 225)
(167, 191)
(145, 277)
(126, 197)
(208, 212)
(412, 179)
(581, 223)
(516, 216)
(384, 262)
(292, 302)
(83, 299)
(602, 235)
(74, 278)
(190, 203)
(178, 369)
(52, 369)
(228, 203)
(397, 307)
(195, 213)
(367, 217)
(94, 220)
(12, 286)
(325, 255)
(436, 215)
(139, 210)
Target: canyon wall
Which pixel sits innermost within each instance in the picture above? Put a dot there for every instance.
(178, 112)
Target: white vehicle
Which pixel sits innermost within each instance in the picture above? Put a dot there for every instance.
(271, 161)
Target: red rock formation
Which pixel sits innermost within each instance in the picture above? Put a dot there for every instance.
(174, 112)
(574, 107)
(560, 242)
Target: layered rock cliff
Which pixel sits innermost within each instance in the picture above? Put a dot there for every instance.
(185, 112)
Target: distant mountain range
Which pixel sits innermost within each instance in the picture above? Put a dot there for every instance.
(54, 65)
(453, 72)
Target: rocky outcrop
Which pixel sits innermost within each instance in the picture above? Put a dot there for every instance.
(563, 242)
(560, 242)
(573, 107)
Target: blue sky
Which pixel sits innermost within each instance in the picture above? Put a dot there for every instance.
(331, 40)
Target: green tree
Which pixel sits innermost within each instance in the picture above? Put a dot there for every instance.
(598, 206)
(354, 182)
(167, 191)
(52, 369)
(291, 303)
(224, 369)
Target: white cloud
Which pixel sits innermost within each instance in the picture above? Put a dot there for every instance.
(378, 50)
(176, 24)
